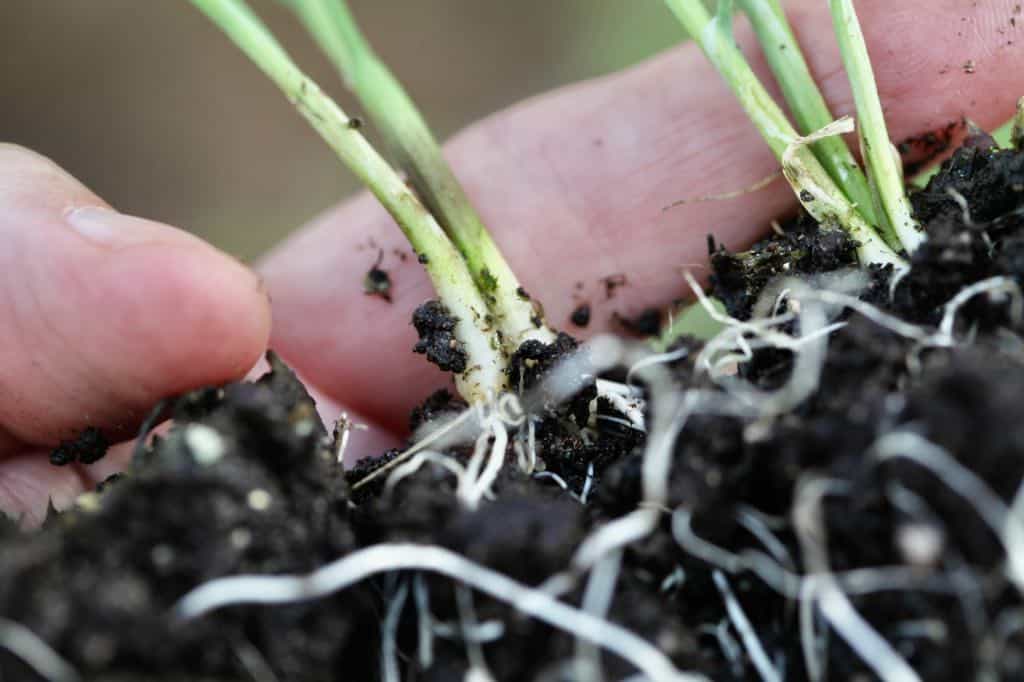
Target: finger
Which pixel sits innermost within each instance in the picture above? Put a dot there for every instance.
(573, 184)
(102, 315)
(29, 484)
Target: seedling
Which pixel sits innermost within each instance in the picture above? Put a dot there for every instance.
(817, 165)
(410, 141)
(806, 102)
(491, 317)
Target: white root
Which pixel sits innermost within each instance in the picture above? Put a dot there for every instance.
(812, 645)
(482, 633)
(993, 286)
(254, 662)
(624, 399)
(872, 648)
(588, 483)
(389, 636)
(32, 650)
(413, 465)
(467, 626)
(597, 599)
(1007, 526)
(389, 557)
(813, 305)
(424, 622)
(755, 650)
(559, 481)
(822, 588)
(452, 428)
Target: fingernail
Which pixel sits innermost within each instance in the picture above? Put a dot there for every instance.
(106, 227)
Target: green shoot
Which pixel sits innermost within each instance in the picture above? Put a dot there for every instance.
(880, 157)
(815, 189)
(808, 105)
(484, 377)
(1017, 127)
(395, 116)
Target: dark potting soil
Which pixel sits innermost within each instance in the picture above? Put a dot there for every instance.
(246, 482)
(436, 329)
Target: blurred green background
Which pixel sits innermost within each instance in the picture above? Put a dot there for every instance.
(155, 111)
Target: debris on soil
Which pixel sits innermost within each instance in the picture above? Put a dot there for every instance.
(436, 329)
(581, 315)
(88, 448)
(377, 282)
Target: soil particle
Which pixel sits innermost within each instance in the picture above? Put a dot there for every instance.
(581, 315)
(436, 329)
(98, 585)
(89, 447)
(533, 359)
(377, 282)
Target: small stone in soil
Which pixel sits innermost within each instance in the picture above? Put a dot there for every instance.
(436, 329)
(89, 447)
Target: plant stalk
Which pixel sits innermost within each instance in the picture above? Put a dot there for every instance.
(883, 165)
(810, 181)
(1017, 127)
(484, 377)
(807, 104)
(395, 116)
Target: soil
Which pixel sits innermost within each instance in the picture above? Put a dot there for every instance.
(436, 329)
(246, 481)
(89, 447)
(580, 315)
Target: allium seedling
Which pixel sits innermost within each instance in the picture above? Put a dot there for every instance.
(484, 375)
(416, 151)
(812, 184)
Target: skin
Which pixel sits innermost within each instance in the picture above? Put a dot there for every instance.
(101, 315)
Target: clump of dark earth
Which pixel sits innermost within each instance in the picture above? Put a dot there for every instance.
(246, 482)
(436, 329)
(534, 359)
(88, 448)
(580, 315)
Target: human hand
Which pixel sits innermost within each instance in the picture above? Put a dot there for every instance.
(572, 184)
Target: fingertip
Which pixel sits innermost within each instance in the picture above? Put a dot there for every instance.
(103, 314)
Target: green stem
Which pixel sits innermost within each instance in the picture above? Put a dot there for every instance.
(809, 179)
(884, 169)
(807, 104)
(448, 272)
(407, 134)
(1017, 127)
